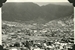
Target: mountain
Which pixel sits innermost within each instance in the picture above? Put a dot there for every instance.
(31, 12)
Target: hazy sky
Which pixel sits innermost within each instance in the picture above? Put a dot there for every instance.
(37, 0)
(56, 3)
(43, 2)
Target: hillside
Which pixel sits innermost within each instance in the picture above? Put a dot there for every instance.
(31, 12)
(29, 20)
(60, 26)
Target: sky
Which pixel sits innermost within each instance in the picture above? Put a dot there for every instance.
(56, 3)
(43, 2)
(37, 1)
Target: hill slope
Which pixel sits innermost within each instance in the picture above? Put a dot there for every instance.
(32, 12)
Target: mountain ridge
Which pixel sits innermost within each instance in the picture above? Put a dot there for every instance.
(32, 12)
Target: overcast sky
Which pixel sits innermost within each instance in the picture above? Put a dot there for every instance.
(56, 3)
(43, 2)
(37, 0)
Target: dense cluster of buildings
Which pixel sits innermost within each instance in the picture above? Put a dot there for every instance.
(38, 37)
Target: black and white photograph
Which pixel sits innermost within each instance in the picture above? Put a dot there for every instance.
(37, 26)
